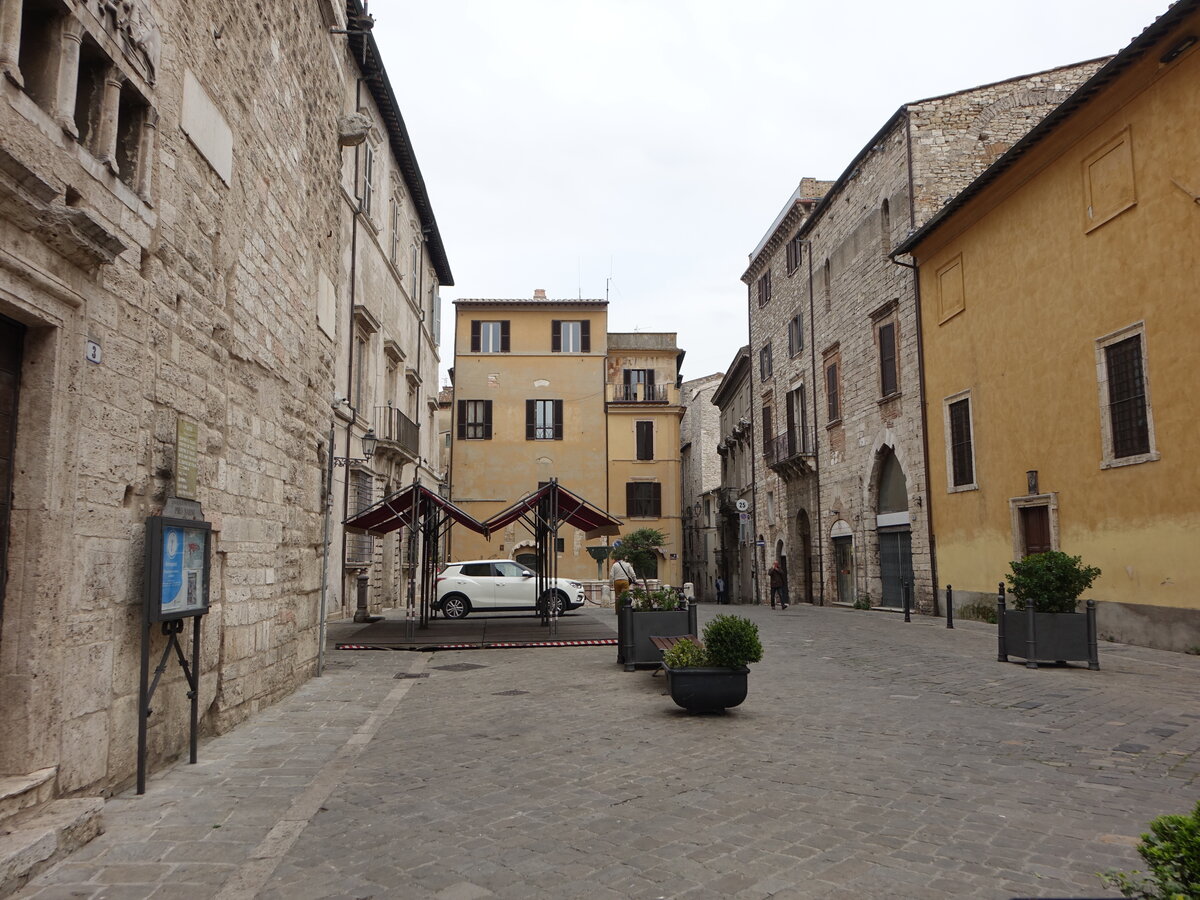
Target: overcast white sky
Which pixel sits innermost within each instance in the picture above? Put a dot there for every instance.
(656, 140)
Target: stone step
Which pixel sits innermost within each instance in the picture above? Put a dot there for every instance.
(18, 792)
(37, 838)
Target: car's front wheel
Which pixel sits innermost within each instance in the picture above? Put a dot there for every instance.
(557, 603)
(455, 606)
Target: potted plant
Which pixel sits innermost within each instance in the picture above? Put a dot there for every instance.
(1044, 626)
(713, 677)
(643, 613)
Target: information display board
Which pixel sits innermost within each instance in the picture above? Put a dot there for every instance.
(177, 568)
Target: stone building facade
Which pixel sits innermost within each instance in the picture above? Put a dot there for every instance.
(700, 467)
(174, 261)
(841, 500)
(735, 497)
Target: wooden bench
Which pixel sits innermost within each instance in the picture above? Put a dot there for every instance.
(664, 644)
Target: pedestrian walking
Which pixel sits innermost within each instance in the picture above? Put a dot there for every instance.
(778, 586)
(622, 574)
(721, 591)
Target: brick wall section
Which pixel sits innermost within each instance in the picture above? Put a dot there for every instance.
(844, 288)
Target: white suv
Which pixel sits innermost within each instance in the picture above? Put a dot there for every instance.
(486, 584)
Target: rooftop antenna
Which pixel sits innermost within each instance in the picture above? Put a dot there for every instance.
(579, 276)
(608, 280)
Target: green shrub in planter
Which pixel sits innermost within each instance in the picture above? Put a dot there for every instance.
(1052, 581)
(659, 598)
(731, 641)
(686, 654)
(1172, 850)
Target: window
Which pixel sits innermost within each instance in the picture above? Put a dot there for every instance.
(570, 337)
(360, 372)
(960, 443)
(643, 498)
(793, 254)
(639, 385)
(885, 226)
(1126, 421)
(368, 173)
(765, 367)
(394, 251)
(764, 288)
(831, 393)
(827, 277)
(767, 430)
(474, 420)
(888, 375)
(1034, 524)
(795, 335)
(645, 439)
(560, 545)
(360, 548)
(543, 420)
(489, 337)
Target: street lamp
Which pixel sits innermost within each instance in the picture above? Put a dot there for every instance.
(369, 443)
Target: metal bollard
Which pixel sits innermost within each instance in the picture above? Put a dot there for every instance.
(949, 607)
(1030, 636)
(1002, 650)
(905, 590)
(1093, 648)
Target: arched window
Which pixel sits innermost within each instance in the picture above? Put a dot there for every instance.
(885, 226)
(828, 287)
(893, 486)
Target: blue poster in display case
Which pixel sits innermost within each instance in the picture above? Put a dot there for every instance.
(177, 568)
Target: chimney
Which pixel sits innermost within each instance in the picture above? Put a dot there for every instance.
(539, 294)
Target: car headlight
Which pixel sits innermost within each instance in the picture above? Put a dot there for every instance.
(575, 584)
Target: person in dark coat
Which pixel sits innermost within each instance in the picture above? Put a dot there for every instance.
(778, 586)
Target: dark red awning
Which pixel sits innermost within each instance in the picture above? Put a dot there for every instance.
(398, 510)
(570, 509)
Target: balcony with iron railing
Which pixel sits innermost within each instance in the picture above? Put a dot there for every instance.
(662, 394)
(397, 432)
(793, 451)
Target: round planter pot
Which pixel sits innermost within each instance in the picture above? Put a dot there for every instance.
(707, 689)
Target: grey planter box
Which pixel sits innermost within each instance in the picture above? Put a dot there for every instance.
(1048, 637)
(635, 628)
(703, 690)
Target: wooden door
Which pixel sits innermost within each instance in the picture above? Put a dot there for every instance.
(1035, 529)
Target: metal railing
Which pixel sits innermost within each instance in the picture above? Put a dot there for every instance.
(392, 425)
(793, 443)
(640, 393)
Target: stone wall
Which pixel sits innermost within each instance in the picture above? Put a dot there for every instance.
(699, 432)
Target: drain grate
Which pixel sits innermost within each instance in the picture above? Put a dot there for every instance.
(460, 667)
(509, 693)
(411, 675)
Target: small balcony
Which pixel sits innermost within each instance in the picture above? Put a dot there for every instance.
(397, 432)
(793, 452)
(661, 394)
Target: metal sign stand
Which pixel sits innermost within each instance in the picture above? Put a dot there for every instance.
(172, 629)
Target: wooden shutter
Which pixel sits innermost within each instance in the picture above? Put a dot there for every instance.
(645, 440)
(487, 420)
(530, 420)
(655, 499)
(558, 420)
(887, 358)
(556, 336)
(462, 420)
(475, 342)
(504, 337)
(631, 498)
(766, 426)
(585, 336)
(831, 392)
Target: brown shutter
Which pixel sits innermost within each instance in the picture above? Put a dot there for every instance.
(556, 336)
(504, 333)
(558, 420)
(462, 420)
(630, 498)
(475, 343)
(585, 336)
(767, 430)
(887, 358)
(530, 419)
(487, 420)
(656, 499)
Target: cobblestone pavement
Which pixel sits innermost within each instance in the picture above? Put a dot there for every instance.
(872, 758)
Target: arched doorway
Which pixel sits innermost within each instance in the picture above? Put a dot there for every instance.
(893, 529)
(843, 560)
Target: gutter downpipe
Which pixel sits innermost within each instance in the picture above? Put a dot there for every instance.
(354, 212)
(812, 356)
(912, 220)
(753, 452)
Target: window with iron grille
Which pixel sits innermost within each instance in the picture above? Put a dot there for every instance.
(962, 450)
(543, 420)
(645, 439)
(765, 366)
(793, 254)
(795, 335)
(888, 376)
(643, 498)
(570, 337)
(490, 337)
(360, 548)
(474, 420)
(764, 288)
(1127, 411)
